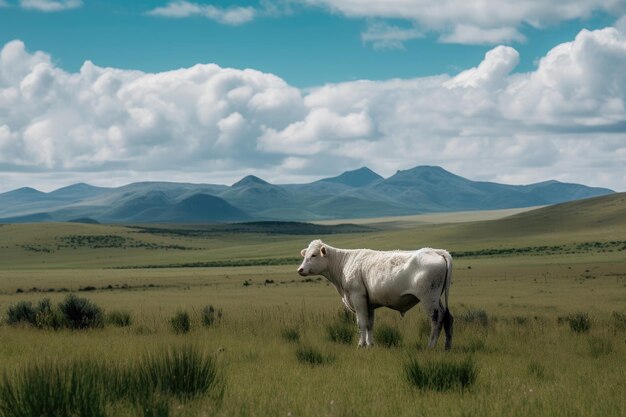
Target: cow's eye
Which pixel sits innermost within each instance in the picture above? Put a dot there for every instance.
(313, 256)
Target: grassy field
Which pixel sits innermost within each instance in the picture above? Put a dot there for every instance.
(521, 286)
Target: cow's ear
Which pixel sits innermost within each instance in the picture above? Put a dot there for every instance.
(323, 250)
(303, 252)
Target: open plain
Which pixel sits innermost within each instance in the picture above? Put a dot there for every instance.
(519, 285)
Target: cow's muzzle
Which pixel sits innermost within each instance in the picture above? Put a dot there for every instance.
(301, 272)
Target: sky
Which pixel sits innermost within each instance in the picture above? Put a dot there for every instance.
(115, 92)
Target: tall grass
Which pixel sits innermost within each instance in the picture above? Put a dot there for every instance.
(578, 322)
(89, 387)
(311, 356)
(340, 332)
(388, 336)
(446, 375)
(182, 372)
(181, 322)
(119, 318)
(55, 389)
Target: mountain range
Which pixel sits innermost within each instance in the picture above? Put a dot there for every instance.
(353, 194)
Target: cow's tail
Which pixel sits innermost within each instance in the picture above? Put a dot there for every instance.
(446, 285)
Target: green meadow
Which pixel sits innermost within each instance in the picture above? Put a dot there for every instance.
(539, 300)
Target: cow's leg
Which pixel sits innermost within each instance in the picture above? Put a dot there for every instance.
(361, 308)
(369, 338)
(435, 313)
(448, 321)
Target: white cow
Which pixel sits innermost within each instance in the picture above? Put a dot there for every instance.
(368, 279)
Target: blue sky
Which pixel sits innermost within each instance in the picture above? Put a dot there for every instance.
(111, 92)
(306, 45)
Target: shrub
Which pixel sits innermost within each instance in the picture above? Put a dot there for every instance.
(22, 312)
(340, 332)
(442, 376)
(310, 356)
(291, 334)
(119, 318)
(388, 336)
(181, 323)
(211, 316)
(183, 372)
(48, 317)
(80, 313)
(578, 322)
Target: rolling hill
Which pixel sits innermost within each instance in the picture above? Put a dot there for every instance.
(352, 194)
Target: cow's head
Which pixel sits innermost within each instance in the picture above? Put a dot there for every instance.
(315, 259)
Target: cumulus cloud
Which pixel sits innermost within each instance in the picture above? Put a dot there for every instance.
(477, 21)
(50, 5)
(229, 16)
(565, 120)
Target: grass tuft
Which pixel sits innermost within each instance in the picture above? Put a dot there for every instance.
(619, 320)
(578, 322)
(311, 356)
(537, 370)
(119, 318)
(183, 372)
(599, 346)
(211, 316)
(340, 332)
(444, 375)
(55, 389)
(388, 336)
(291, 335)
(181, 323)
(475, 316)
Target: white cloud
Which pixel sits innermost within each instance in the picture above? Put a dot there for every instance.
(565, 120)
(476, 21)
(385, 36)
(228, 16)
(50, 5)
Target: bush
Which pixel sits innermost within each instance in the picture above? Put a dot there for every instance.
(48, 317)
(310, 356)
(388, 336)
(442, 376)
(80, 313)
(22, 312)
(579, 322)
(291, 335)
(119, 318)
(340, 332)
(211, 316)
(181, 323)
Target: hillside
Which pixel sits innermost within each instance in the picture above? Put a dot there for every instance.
(359, 193)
